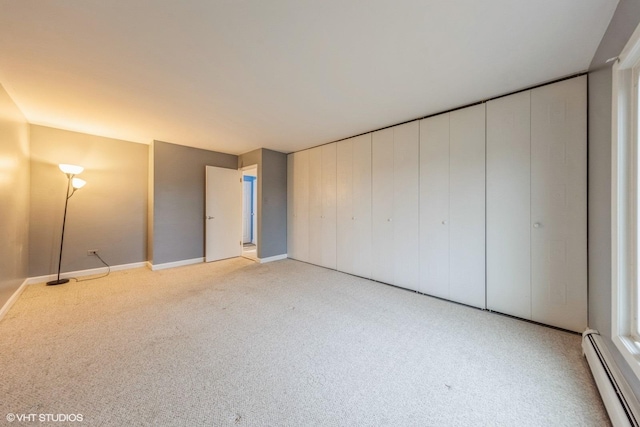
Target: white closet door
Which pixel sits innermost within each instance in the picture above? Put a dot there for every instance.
(467, 206)
(345, 239)
(329, 206)
(434, 206)
(406, 205)
(315, 205)
(508, 205)
(362, 205)
(301, 205)
(291, 226)
(383, 246)
(558, 200)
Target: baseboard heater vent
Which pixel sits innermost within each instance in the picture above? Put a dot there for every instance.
(621, 403)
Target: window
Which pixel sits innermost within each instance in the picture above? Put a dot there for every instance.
(625, 209)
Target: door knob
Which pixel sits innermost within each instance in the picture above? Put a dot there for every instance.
(444, 222)
(211, 217)
(536, 225)
(389, 219)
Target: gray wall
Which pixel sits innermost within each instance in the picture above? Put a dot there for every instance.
(179, 199)
(109, 214)
(272, 200)
(622, 25)
(14, 197)
(274, 203)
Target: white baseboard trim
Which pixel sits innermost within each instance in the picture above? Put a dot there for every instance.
(618, 398)
(155, 267)
(12, 299)
(80, 273)
(272, 258)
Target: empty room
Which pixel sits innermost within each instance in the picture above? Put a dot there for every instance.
(286, 213)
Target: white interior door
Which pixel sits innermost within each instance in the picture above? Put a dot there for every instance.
(223, 213)
(559, 204)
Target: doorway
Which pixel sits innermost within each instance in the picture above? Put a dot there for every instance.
(250, 212)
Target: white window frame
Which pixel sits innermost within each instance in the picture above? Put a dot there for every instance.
(624, 220)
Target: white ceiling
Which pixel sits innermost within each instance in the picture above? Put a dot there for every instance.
(235, 75)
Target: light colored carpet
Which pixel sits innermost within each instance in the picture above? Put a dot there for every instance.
(236, 343)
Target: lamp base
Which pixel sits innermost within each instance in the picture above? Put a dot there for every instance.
(57, 282)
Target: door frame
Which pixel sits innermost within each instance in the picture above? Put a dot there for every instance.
(256, 201)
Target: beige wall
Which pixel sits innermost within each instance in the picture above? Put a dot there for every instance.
(14, 197)
(109, 214)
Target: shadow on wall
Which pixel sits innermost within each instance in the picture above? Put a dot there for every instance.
(109, 214)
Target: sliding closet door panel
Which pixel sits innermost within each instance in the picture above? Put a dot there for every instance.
(406, 204)
(291, 228)
(467, 206)
(315, 205)
(362, 205)
(329, 206)
(301, 205)
(508, 205)
(383, 246)
(558, 199)
(434, 206)
(345, 238)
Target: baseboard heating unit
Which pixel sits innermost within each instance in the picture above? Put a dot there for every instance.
(621, 403)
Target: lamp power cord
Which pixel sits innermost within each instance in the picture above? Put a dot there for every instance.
(98, 277)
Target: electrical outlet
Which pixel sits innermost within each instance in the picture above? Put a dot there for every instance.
(91, 252)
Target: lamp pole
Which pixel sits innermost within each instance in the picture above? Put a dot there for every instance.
(59, 281)
(70, 171)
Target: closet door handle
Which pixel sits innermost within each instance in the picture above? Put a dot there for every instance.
(211, 217)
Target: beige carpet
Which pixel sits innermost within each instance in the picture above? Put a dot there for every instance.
(235, 343)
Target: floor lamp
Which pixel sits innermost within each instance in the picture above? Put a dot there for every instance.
(73, 184)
